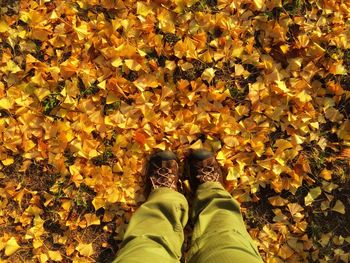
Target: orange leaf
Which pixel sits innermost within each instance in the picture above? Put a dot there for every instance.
(140, 137)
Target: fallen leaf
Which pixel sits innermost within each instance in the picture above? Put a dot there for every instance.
(55, 255)
(326, 174)
(278, 201)
(11, 246)
(85, 249)
(312, 195)
(91, 219)
(146, 81)
(208, 74)
(339, 207)
(3, 26)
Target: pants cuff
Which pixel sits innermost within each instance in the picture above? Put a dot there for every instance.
(165, 192)
(210, 185)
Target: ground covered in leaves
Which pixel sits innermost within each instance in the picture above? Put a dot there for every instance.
(88, 89)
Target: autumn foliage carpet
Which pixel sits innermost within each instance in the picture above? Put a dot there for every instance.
(89, 88)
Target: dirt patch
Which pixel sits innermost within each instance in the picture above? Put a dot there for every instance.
(258, 214)
(12, 171)
(9, 7)
(190, 74)
(39, 176)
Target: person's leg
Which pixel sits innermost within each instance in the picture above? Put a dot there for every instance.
(219, 234)
(155, 232)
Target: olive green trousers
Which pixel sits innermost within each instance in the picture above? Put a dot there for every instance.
(155, 232)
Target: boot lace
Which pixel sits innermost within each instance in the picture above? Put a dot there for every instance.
(163, 177)
(208, 174)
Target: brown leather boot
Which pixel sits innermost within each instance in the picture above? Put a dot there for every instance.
(162, 171)
(202, 167)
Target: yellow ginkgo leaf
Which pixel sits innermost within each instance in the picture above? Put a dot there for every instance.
(312, 195)
(259, 3)
(146, 81)
(43, 258)
(339, 207)
(326, 174)
(304, 97)
(102, 85)
(8, 161)
(91, 219)
(11, 246)
(277, 201)
(98, 202)
(55, 255)
(208, 74)
(85, 249)
(12, 67)
(117, 62)
(82, 31)
(233, 174)
(344, 131)
(3, 26)
(197, 145)
(166, 21)
(143, 9)
(133, 64)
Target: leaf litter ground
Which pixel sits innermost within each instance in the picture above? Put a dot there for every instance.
(90, 88)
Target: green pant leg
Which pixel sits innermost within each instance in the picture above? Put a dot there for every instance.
(219, 235)
(155, 232)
